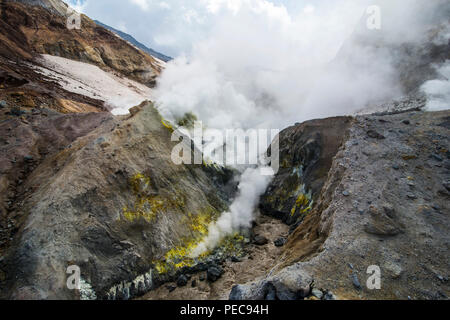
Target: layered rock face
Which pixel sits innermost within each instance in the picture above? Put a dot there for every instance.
(43, 29)
(384, 203)
(55, 6)
(306, 153)
(31, 28)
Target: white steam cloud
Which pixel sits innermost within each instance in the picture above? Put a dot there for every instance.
(438, 91)
(241, 212)
(257, 65)
(262, 66)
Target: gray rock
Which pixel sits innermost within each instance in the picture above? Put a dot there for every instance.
(394, 269)
(126, 293)
(3, 104)
(271, 292)
(171, 288)
(356, 282)
(436, 207)
(235, 259)
(280, 242)
(375, 135)
(141, 288)
(214, 273)
(446, 184)
(182, 281)
(148, 284)
(236, 293)
(389, 210)
(285, 294)
(317, 293)
(16, 111)
(260, 240)
(411, 196)
(329, 296)
(436, 157)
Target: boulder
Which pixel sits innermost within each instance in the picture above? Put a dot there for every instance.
(214, 273)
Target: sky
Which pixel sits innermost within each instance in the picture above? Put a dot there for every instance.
(174, 26)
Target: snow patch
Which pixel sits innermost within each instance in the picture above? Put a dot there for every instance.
(118, 92)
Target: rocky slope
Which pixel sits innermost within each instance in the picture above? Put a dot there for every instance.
(384, 202)
(43, 29)
(31, 28)
(113, 203)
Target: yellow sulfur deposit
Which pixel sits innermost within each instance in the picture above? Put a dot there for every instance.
(167, 125)
(303, 203)
(181, 256)
(145, 206)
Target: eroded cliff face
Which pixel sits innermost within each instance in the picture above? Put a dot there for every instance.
(384, 202)
(29, 29)
(306, 152)
(43, 30)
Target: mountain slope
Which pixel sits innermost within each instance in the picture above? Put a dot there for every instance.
(112, 203)
(382, 201)
(31, 32)
(45, 32)
(134, 42)
(55, 6)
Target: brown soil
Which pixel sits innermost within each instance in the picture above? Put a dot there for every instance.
(258, 263)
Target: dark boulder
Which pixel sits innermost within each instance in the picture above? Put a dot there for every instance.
(214, 273)
(260, 240)
(182, 281)
(375, 135)
(236, 293)
(171, 288)
(280, 242)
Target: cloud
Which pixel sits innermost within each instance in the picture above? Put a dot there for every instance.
(184, 22)
(260, 59)
(143, 4)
